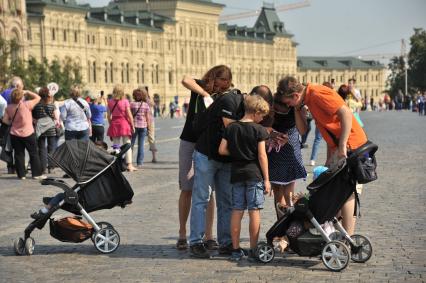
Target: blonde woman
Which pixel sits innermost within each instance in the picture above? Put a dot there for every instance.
(120, 118)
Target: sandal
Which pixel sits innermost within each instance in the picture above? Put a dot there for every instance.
(182, 244)
(211, 245)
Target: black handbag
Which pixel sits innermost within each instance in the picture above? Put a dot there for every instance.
(363, 163)
(6, 145)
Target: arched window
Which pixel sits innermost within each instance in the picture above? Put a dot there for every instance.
(142, 73)
(127, 73)
(53, 34)
(137, 73)
(170, 77)
(94, 71)
(152, 73)
(122, 73)
(111, 69)
(89, 71)
(156, 74)
(182, 56)
(106, 72)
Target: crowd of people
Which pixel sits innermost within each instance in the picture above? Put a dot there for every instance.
(35, 122)
(248, 146)
(234, 148)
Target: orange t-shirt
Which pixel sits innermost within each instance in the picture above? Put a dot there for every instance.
(323, 104)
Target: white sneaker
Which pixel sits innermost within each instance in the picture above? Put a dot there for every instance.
(312, 163)
(41, 177)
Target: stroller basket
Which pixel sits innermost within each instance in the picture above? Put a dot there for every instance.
(70, 229)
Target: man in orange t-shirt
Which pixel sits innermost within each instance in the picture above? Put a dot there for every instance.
(335, 121)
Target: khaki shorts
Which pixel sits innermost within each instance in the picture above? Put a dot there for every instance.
(186, 165)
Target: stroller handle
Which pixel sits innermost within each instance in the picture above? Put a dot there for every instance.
(123, 149)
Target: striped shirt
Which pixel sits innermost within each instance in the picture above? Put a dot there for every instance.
(141, 117)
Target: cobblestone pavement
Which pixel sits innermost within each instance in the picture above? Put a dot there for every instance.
(393, 210)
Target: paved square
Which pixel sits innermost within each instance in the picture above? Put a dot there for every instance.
(393, 217)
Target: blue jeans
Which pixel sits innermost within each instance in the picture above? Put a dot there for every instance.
(248, 195)
(140, 133)
(77, 135)
(209, 173)
(315, 147)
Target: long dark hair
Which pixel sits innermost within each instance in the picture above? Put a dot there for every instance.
(214, 73)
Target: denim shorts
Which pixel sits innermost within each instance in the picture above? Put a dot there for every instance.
(248, 195)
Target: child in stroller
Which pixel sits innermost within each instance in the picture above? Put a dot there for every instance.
(99, 185)
(327, 194)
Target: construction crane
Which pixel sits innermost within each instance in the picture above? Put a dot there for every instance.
(279, 8)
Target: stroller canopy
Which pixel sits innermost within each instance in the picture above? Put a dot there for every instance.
(81, 160)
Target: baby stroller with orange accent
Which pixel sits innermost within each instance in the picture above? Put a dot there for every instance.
(100, 184)
(327, 194)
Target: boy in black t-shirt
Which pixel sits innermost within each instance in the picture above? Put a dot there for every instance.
(244, 142)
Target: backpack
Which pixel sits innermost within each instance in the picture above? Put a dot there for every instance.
(201, 119)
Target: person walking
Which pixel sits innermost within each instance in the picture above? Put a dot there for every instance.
(23, 137)
(335, 122)
(121, 126)
(141, 116)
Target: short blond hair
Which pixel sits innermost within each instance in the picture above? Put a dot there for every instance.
(118, 92)
(254, 104)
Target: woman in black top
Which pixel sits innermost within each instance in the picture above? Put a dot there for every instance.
(46, 109)
(285, 160)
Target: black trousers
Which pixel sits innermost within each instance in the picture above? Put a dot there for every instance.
(43, 150)
(97, 133)
(19, 145)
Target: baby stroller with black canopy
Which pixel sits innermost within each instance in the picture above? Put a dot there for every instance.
(100, 184)
(327, 195)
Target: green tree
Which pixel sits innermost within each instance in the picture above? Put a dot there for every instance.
(396, 79)
(417, 59)
(35, 74)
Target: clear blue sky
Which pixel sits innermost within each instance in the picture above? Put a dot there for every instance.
(339, 27)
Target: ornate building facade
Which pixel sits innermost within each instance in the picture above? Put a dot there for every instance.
(135, 43)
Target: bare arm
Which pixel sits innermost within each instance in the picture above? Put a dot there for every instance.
(223, 147)
(192, 85)
(263, 162)
(35, 98)
(130, 117)
(227, 121)
(300, 117)
(345, 117)
(6, 118)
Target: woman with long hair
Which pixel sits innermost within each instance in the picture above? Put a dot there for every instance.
(121, 126)
(285, 160)
(216, 80)
(141, 116)
(46, 142)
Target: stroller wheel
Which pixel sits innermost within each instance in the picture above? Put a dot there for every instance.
(335, 255)
(102, 224)
(19, 246)
(265, 253)
(106, 240)
(362, 250)
(29, 246)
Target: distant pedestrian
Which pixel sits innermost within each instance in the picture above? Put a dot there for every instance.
(141, 116)
(121, 126)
